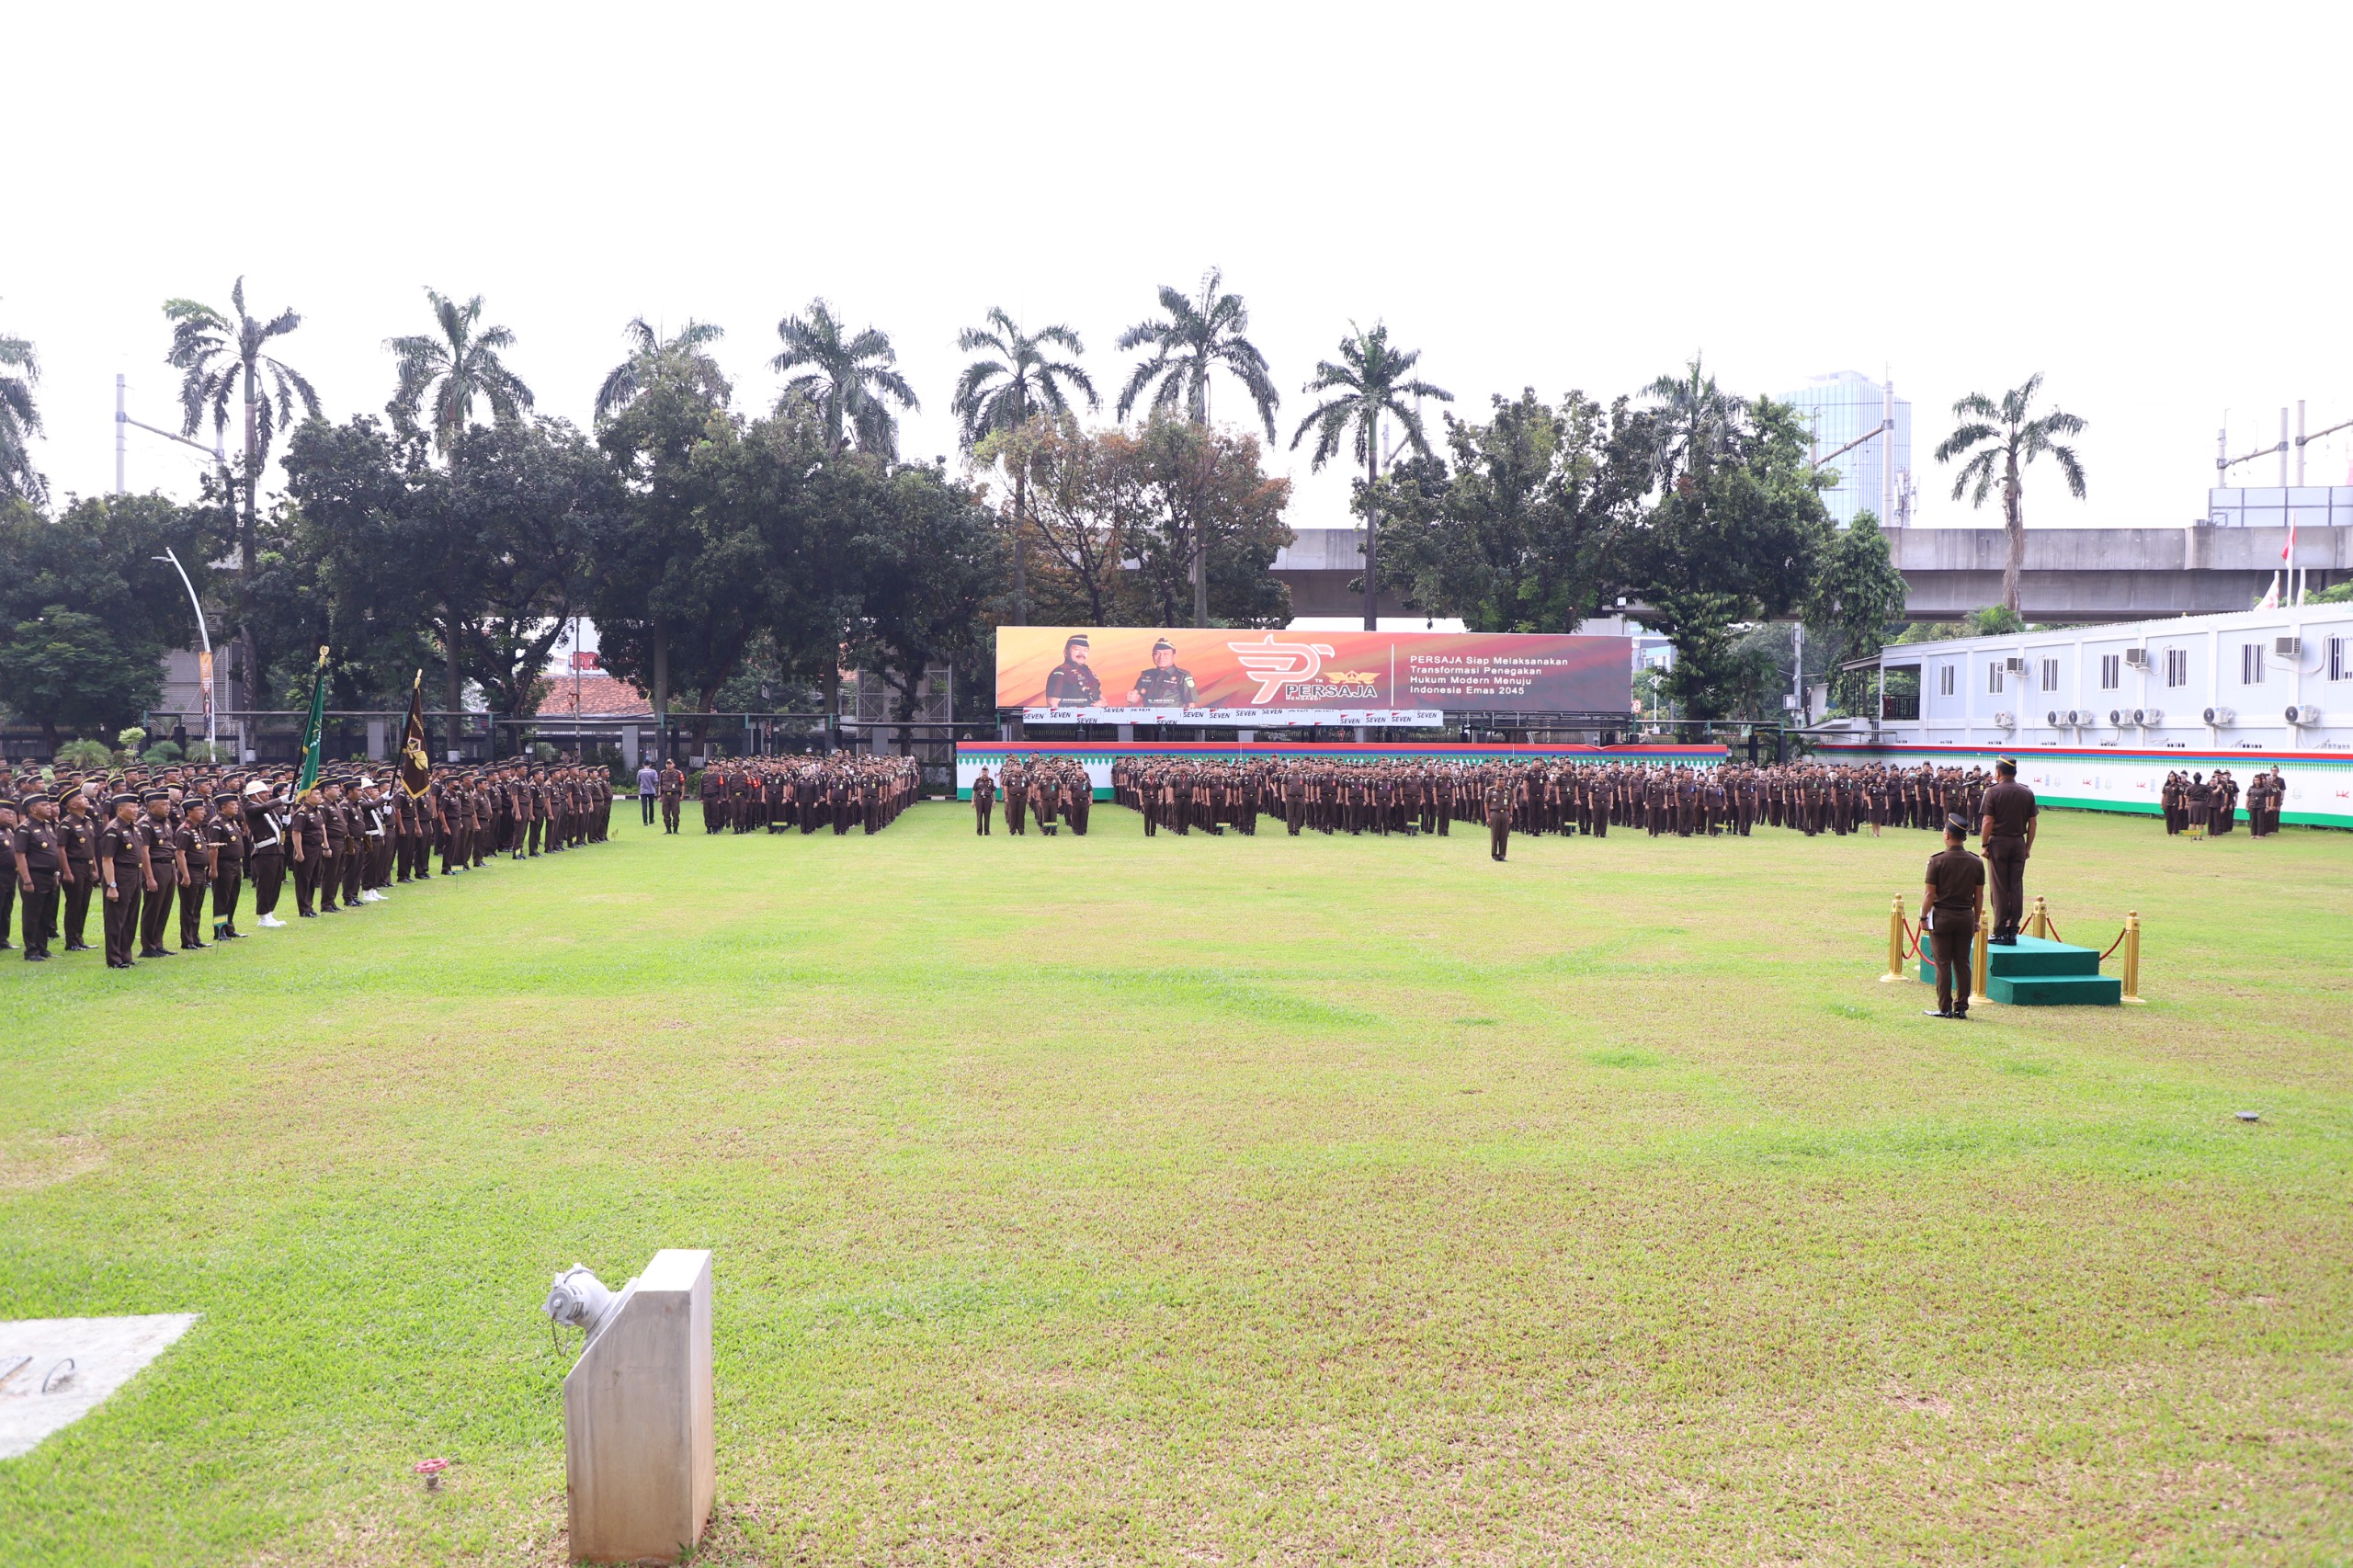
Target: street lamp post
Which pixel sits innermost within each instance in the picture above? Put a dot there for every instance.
(204, 636)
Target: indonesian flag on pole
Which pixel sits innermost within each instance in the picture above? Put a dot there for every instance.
(2270, 599)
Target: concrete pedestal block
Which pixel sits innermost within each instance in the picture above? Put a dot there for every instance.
(638, 1418)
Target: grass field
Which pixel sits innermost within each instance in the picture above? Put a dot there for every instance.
(1219, 1201)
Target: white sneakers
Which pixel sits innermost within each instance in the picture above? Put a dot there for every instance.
(273, 923)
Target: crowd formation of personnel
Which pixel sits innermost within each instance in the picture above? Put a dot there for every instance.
(148, 845)
(780, 793)
(2197, 805)
(1534, 795)
(1053, 792)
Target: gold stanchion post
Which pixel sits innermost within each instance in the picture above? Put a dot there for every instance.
(2133, 958)
(1894, 942)
(2039, 925)
(1980, 966)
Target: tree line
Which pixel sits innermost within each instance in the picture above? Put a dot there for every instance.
(459, 530)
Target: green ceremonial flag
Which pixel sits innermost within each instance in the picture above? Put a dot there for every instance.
(313, 732)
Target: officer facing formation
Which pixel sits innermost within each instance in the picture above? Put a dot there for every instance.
(1952, 898)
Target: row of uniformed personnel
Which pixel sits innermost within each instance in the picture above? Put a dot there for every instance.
(142, 847)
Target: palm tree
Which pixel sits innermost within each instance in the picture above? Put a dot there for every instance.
(1701, 419)
(1194, 339)
(653, 357)
(463, 358)
(219, 358)
(19, 423)
(850, 377)
(1369, 381)
(1000, 391)
(2003, 436)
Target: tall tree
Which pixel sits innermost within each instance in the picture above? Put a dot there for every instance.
(1084, 506)
(451, 368)
(1372, 381)
(1015, 379)
(19, 423)
(850, 377)
(683, 357)
(1192, 340)
(1527, 531)
(1207, 513)
(1737, 535)
(1998, 441)
(220, 358)
(1856, 596)
(680, 590)
(86, 611)
(1697, 421)
(926, 560)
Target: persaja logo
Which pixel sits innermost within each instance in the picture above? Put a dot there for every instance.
(1271, 664)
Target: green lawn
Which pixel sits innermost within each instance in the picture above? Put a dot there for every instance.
(1219, 1200)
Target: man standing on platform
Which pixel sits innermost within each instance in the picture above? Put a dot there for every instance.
(1950, 903)
(2009, 839)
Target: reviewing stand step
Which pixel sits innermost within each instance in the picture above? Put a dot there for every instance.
(2039, 973)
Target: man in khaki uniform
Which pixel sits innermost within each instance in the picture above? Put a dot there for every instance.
(1951, 898)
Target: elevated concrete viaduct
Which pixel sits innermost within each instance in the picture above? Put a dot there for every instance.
(2071, 575)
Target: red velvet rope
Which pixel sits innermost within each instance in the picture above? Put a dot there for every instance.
(2116, 944)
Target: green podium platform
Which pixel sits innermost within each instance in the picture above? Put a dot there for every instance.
(2037, 973)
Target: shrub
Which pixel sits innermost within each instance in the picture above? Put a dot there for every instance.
(84, 756)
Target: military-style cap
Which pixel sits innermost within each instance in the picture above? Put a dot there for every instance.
(1956, 823)
(1163, 642)
(257, 788)
(2009, 762)
(115, 802)
(152, 796)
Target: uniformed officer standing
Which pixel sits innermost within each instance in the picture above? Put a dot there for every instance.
(674, 790)
(195, 851)
(226, 833)
(78, 834)
(40, 863)
(164, 875)
(984, 802)
(1499, 799)
(9, 817)
(1952, 900)
(2009, 839)
(266, 855)
(122, 859)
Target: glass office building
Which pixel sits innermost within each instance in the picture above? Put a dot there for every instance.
(1840, 407)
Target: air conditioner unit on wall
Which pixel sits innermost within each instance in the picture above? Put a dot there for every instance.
(2005, 720)
(2054, 718)
(2218, 717)
(2147, 716)
(2119, 717)
(2077, 716)
(2303, 715)
(2136, 658)
(2286, 647)
(2014, 665)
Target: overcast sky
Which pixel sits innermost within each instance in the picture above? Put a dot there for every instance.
(2145, 204)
